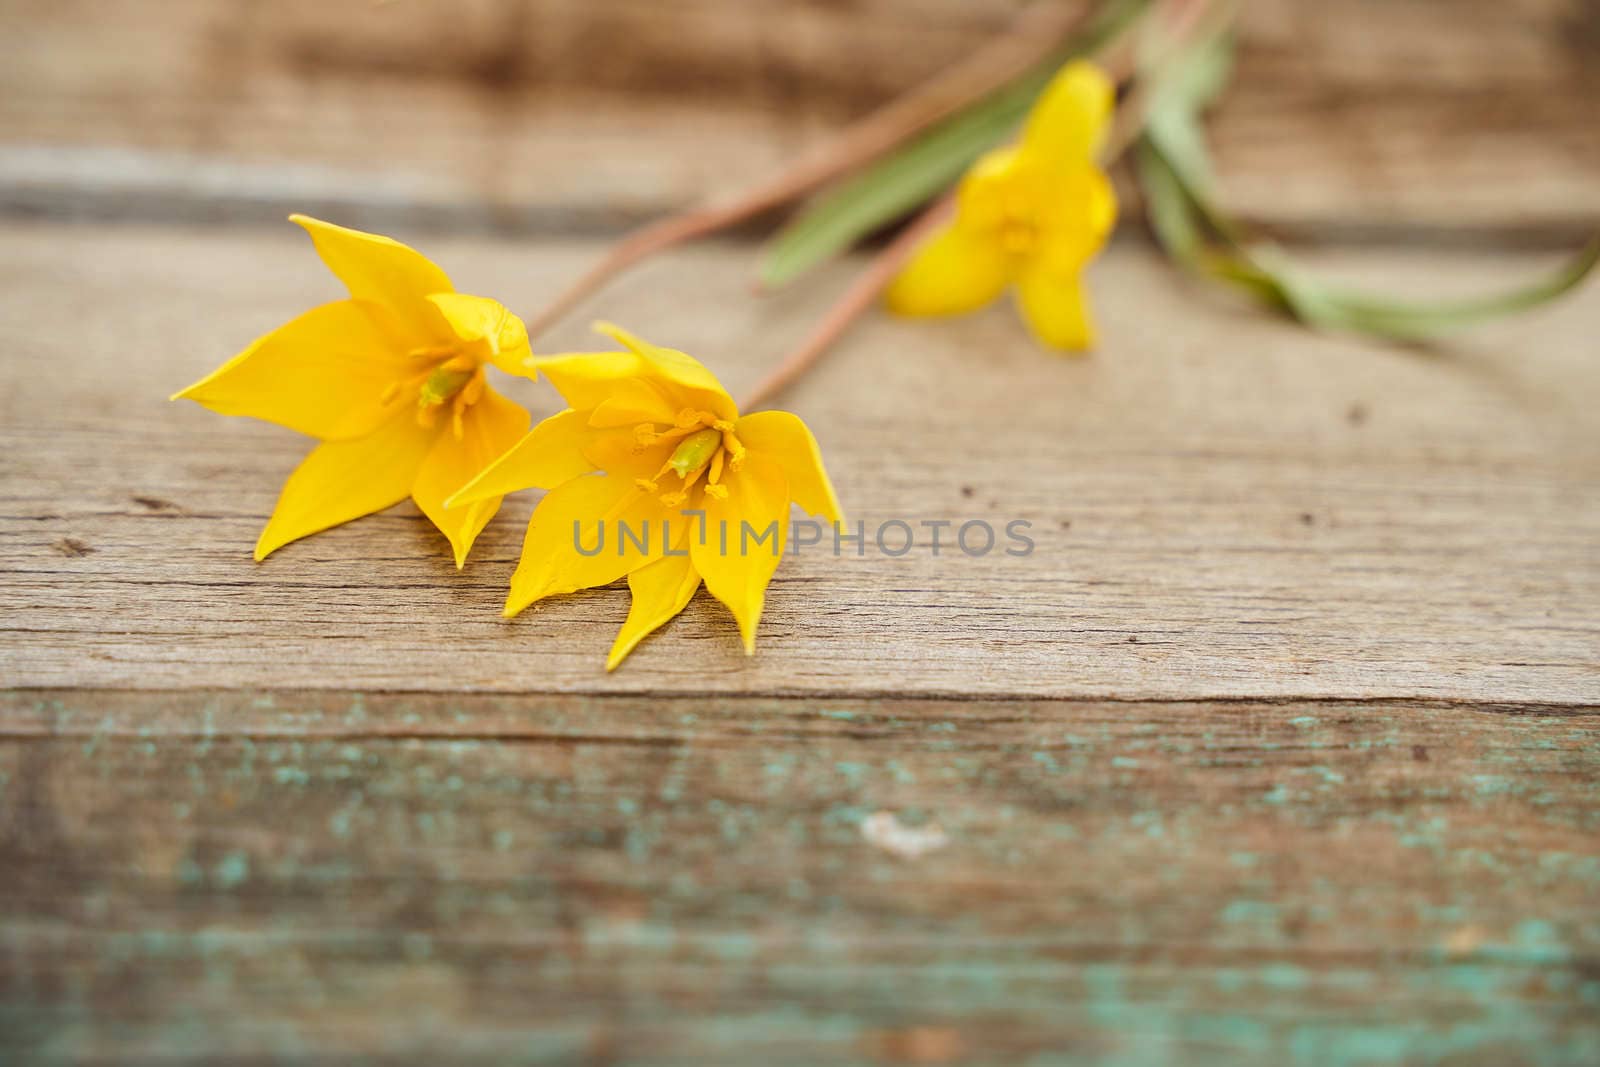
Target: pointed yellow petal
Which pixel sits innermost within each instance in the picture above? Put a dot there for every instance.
(488, 428)
(660, 590)
(477, 318)
(959, 269)
(322, 374)
(1070, 118)
(781, 436)
(546, 456)
(634, 400)
(383, 270)
(681, 376)
(344, 480)
(616, 452)
(586, 380)
(1083, 228)
(1054, 306)
(570, 522)
(736, 562)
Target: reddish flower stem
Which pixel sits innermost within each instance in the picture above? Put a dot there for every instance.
(861, 295)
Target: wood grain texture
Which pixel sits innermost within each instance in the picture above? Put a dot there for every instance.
(1222, 505)
(536, 114)
(1281, 749)
(232, 876)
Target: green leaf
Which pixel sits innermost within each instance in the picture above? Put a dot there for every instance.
(1416, 321)
(1174, 171)
(914, 173)
(891, 187)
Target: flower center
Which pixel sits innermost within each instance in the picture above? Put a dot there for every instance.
(706, 445)
(1020, 224)
(447, 376)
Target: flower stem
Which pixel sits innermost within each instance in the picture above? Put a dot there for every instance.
(856, 300)
(1038, 30)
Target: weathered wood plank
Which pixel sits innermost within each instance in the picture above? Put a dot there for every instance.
(1222, 505)
(515, 114)
(194, 877)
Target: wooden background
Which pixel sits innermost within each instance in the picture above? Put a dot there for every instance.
(1281, 749)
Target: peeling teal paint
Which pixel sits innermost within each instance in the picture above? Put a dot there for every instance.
(1250, 911)
(855, 772)
(232, 871)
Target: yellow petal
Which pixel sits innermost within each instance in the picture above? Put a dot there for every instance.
(660, 590)
(600, 505)
(383, 270)
(617, 452)
(477, 318)
(633, 401)
(589, 379)
(322, 374)
(737, 565)
(679, 372)
(781, 436)
(1056, 311)
(546, 456)
(488, 429)
(586, 380)
(344, 480)
(959, 269)
(1081, 232)
(1069, 120)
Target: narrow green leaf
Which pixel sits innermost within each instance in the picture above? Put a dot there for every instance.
(1174, 174)
(1416, 321)
(892, 186)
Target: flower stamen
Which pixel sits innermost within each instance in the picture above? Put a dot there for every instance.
(735, 447)
(707, 445)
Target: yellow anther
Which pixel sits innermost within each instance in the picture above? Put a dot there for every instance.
(719, 491)
(722, 425)
(688, 419)
(735, 447)
(673, 499)
(646, 485)
(645, 434)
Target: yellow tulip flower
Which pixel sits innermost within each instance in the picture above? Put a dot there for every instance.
(655, 475)
(392, 383)
(1029, 216)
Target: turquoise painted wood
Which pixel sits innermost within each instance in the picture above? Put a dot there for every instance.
(225, 876)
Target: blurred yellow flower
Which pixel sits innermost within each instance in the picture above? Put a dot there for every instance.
(653, 474)
(1030, 216)
(391, 381)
